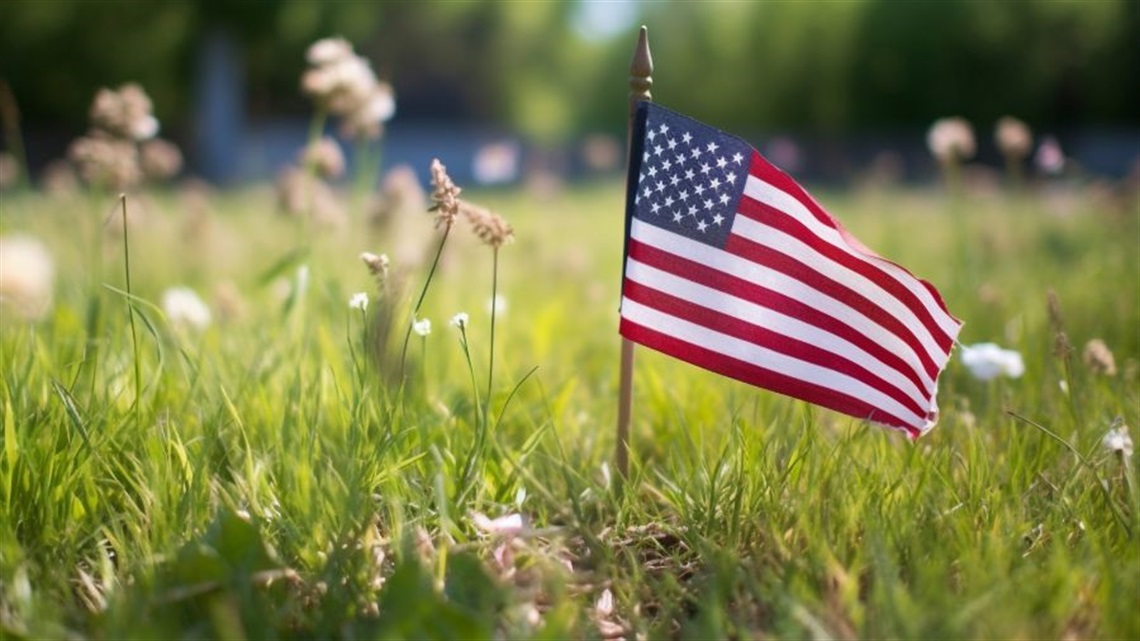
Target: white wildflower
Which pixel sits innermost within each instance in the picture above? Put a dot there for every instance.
(421, 327)
(459, 320)
(509, 525)
(987, 361)
(27, 277)
(1118, 440)
(184, 308)
(497, 305)
(359, 301)
(328, 50)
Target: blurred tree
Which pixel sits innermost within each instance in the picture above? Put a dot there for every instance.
(539, 67)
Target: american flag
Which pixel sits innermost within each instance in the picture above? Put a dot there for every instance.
(733, 267)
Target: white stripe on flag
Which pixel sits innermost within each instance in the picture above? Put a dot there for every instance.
(768, 194)
(751, 353)
(769, 319)
(746, 270)
(795, 248)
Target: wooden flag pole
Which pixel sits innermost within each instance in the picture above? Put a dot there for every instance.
(640, 80)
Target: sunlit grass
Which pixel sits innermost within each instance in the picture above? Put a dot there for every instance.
(277, 482)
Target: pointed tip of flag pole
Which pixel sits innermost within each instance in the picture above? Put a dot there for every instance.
(640, 71)
(640, 82)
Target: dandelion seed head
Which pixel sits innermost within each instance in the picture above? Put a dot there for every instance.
(951, 140)
(460, 320)
(359, 301)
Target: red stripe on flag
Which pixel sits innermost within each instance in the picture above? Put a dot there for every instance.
(757, 335)
(761, 377)
(772, 217)
(773, 259)
(770, 299)
(772, 175)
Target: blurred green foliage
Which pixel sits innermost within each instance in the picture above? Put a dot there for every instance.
(799, 65)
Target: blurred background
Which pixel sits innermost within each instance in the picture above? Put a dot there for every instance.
(823, 88)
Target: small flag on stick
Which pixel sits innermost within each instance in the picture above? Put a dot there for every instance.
(731, 266)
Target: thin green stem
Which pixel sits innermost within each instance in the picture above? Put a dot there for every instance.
(420, 300)
(491, 366)
(131, 313)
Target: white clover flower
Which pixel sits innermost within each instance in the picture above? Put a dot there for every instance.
(359, 301)
(27, 277)
(987, 361)
(422, 327)
(185, 309)
(459, 320)
(1118, 440)
(508, 525)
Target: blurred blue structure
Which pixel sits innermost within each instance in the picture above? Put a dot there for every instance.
(219, 107)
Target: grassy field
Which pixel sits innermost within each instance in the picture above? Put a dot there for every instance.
(268, 477)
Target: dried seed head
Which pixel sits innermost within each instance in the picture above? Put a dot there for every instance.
(365, 120)
(1098, 358)
(490, 227)
(377, 265)
(106, 161)
(302, 194)
(160, 159)
(445, 195)
(325, 158)
(126, 113)
(1013, 137)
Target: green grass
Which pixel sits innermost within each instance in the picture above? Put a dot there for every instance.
(274, 481)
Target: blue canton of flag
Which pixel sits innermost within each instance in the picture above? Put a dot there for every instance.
(689, 177)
